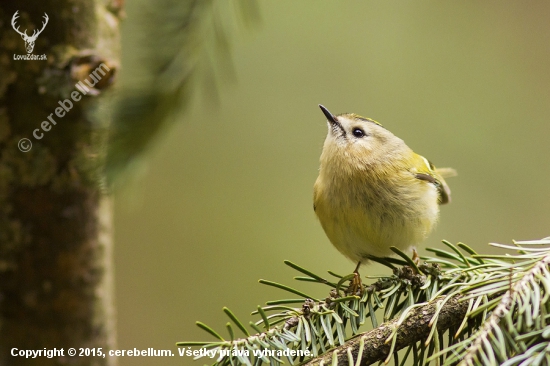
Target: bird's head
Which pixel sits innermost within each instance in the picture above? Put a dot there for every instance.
(359, 141)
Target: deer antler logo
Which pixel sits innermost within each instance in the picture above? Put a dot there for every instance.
(29, 40)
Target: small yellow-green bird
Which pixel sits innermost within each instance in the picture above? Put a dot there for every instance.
(373, 191)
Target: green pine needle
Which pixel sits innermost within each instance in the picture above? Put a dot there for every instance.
(236, 321)
(209, 330)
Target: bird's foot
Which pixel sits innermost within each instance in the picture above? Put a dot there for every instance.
(356, 285)
(415, 257)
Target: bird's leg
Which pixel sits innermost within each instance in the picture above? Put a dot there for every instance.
(415, 257)
(356, 285)
(357, 268)
(416, 260)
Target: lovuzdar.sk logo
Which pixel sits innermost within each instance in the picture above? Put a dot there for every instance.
(29, 40)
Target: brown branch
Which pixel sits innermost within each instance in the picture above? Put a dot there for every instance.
(55, 216)
(414, 329)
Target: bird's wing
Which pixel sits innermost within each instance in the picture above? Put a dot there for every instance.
(426, 171)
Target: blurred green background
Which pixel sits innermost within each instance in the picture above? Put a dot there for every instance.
(227, 193)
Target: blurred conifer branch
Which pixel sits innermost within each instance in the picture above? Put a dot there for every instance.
(459, 307)
(182, 41)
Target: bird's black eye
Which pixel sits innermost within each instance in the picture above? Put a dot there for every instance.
(357, 132)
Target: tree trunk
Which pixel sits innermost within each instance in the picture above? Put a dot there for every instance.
(55, 220)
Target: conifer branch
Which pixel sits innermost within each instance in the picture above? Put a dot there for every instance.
(522, 293)
(373, 346)
(493, 308)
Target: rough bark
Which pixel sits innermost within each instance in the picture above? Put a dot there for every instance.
(414, 329)
(55, 220)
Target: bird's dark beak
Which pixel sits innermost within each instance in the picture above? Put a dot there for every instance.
(329, 115)
(333, 121)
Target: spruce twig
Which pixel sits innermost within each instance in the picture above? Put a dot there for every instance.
(375, 347)
(494, 309)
